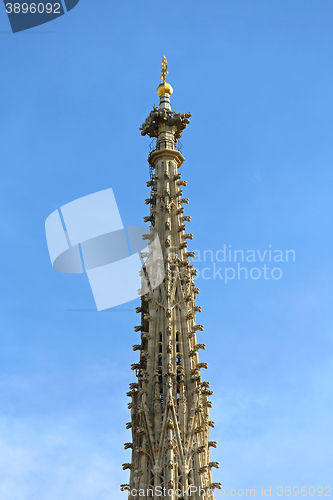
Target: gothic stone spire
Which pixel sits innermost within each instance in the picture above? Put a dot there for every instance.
(169, 403)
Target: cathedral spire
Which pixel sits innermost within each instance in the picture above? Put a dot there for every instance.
(169, 402)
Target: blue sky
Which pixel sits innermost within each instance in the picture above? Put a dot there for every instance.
(257, 77)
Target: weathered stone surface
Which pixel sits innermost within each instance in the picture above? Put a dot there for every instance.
(175, 121)
(170, 407)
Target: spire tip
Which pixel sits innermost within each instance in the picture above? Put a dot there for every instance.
(164, 87)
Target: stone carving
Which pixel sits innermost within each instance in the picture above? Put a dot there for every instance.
(147, 237)
(141, 451)
(141, 430)
(170, 425)
(177, 121)
(205, 392)
(185, 218)
(190, 254)
(215, 486)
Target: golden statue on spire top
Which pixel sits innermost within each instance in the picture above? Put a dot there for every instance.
(164, 70)
(164, 87)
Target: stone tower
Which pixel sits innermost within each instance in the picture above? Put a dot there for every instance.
(169, 402)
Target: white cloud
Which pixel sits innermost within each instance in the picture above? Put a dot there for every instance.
(52, 460)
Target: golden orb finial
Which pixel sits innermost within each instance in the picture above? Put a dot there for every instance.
(164, 88)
